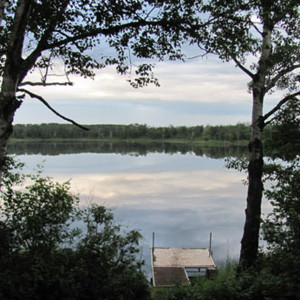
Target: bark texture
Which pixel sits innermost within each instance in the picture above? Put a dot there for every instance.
(12, 76)
(250, 239)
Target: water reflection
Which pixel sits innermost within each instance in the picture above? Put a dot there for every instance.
(182, 198)
(123, 147)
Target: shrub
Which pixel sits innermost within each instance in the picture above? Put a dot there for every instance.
(44, 257)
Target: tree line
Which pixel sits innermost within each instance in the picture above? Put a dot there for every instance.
(230, 133)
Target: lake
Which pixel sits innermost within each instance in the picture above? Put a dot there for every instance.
(180, 192)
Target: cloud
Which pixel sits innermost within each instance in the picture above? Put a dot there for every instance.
(180, 189)
(198, 91)
(193, 81)
(153, 113)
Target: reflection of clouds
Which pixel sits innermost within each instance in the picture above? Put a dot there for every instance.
(182, 207)
(182, 198)
(196, 189)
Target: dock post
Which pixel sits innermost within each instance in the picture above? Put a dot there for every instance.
(210, 239)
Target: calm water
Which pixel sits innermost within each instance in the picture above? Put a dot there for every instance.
(180, 196)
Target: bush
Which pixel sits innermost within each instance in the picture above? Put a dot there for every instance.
(229, 284)
(42, 255)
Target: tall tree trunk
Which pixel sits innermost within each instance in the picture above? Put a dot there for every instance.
(11, 77)
(250, 240)
(6, 120)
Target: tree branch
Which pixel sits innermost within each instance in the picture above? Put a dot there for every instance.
(256, 28)
(43, 44)
(18, 31)
(81, 49)
(278, 106)
(243, 68)
(270, 121)
(279, 75)
(32, 58)
(32, 95)
(44, 83)
(121, 27)
(44, 77)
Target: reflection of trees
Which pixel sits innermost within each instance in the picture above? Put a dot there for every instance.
(128, 148)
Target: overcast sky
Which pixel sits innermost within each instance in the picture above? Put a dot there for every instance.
(199, 91)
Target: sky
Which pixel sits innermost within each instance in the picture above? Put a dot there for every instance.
(199, 91)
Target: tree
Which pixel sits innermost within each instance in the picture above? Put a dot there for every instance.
(262, 38)
(281, 228)
(39, 34)
(46, 253)
(286, 130)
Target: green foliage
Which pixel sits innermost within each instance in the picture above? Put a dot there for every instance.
(236, 34)
(39, 216)
(283, 138)
(260, 284)
(259, 37)
(281, 228)
(224, 285)
(283, 225)
(44, 255)
(230, 133)
(277, 276)
(130, 28)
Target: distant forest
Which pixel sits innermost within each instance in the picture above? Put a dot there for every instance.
(132, 131)
(230, 133)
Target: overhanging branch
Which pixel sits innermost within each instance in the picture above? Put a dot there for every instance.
(116, 29)
(256, 28)
(44, 83)
(44, 45)
(32, 95)
(29, 62)
(278, 106)
(111, 30)
(243, 68)
(274, 80)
